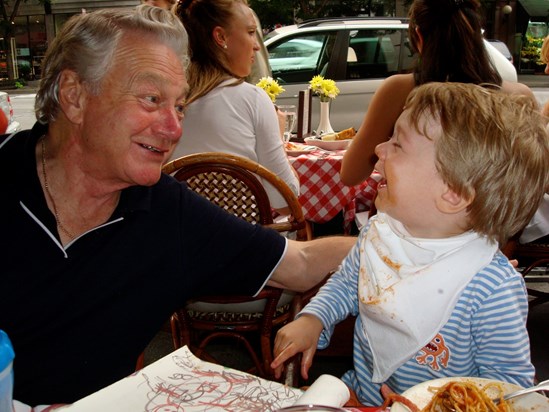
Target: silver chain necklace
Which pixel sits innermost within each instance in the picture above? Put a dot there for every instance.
(47, 187)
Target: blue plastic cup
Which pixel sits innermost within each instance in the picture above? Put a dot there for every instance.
(6, 373)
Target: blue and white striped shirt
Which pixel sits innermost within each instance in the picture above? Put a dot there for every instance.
(485, 336)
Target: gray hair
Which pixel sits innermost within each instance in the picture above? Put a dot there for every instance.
(87, 44)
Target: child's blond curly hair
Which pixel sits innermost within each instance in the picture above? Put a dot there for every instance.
(493, 150)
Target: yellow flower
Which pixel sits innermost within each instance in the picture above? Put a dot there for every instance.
(326, 89)
(271, 86)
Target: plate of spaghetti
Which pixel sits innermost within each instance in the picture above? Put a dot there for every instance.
(467, 394)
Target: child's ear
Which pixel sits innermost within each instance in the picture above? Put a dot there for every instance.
(450, 202)
(72, 96)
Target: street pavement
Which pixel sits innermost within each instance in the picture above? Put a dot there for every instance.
(531, 80)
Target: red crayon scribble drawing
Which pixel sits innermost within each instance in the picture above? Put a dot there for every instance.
(201, 386)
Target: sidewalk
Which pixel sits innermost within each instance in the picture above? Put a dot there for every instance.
(534, 80)
(29, 88)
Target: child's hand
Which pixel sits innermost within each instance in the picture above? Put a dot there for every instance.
(301, 335)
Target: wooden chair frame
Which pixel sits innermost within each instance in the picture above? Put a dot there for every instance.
(530, 256)
(199, 171)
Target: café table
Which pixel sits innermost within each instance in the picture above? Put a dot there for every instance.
(180, 381)
(322, 194)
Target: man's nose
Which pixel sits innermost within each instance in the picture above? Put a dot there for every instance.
(170, 124)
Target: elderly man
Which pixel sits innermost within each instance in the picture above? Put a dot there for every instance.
(98, 246)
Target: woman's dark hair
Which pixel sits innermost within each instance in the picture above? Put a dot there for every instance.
(453, 47)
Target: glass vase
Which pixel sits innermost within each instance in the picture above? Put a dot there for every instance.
(324, 125)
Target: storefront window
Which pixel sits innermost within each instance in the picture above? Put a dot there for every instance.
(3, 59)
(22, 51)
(38, 43)
(530, 54)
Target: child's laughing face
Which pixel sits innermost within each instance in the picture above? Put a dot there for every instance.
(411, 184)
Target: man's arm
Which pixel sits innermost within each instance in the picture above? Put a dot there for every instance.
(305, 264)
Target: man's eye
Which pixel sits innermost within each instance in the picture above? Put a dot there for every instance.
(152, 99)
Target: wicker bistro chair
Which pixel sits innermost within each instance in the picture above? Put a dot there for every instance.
(533, 261)
(233, 183)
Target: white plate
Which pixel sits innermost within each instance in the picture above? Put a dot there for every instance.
(298, 152)
(328, 144)
(299, 149)
(420, 395)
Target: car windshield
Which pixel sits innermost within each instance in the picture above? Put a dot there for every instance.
(301, 53)
(502, 48)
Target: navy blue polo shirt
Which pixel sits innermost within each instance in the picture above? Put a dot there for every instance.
(79, 316)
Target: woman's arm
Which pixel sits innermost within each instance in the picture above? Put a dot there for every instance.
(377, 126)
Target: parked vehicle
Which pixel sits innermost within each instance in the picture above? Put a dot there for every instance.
(5, 105)
(357, 52)
(502, 48)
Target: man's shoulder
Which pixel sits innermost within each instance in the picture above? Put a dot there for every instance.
(11, 144)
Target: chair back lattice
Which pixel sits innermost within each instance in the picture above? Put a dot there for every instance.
(236, 185)
(234, 190)
(233, 183)
(533, 261)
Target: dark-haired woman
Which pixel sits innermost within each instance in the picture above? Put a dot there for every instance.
(447, 35)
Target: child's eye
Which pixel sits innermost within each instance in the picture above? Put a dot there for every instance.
(394, 141)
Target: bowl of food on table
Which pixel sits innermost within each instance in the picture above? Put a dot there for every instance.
(333, 141)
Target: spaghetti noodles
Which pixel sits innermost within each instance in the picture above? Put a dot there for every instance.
(465, 396)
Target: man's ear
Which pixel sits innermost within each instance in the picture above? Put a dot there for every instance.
(72, 96)
(450, 202)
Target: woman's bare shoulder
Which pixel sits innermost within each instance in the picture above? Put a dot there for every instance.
(516, 88)
(399, 81)
(395, 88)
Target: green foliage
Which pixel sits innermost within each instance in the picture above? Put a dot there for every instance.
(272, 12)
(531, 50)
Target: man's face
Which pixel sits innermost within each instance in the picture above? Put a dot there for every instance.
(130, 129)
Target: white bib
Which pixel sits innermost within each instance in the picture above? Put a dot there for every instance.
(409, 286)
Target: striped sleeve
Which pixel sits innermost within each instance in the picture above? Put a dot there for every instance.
(499, 325)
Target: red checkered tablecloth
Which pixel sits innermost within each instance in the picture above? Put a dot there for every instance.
(323, 195)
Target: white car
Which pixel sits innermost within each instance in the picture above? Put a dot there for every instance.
(5, 105)
(357, 52)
